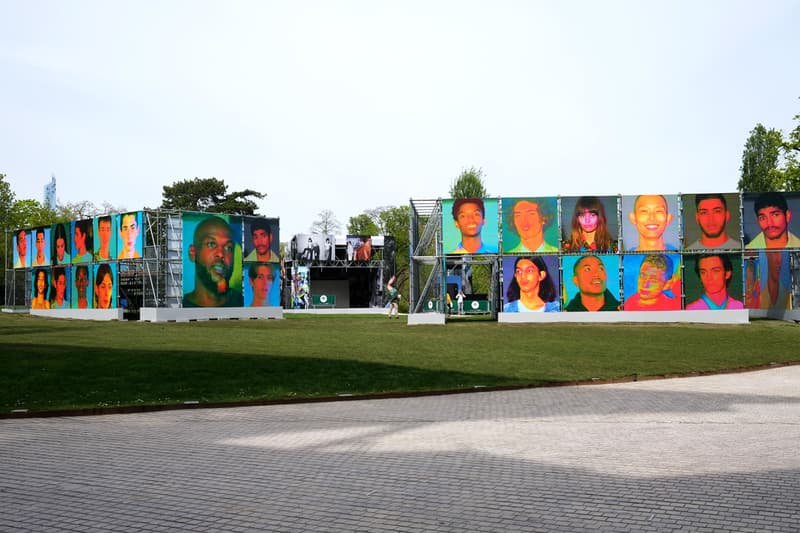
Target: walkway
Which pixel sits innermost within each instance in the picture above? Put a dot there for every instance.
(715, 453)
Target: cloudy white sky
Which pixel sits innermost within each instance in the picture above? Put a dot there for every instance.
(350, 105)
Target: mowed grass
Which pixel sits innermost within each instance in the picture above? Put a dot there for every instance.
(53, 364)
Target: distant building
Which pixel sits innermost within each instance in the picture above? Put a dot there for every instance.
(50, 193)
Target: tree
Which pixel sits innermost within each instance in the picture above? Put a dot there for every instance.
(209, 194)
(789, 175)
(468, 184)
(326, 223)
(362, 224)
(760, 161)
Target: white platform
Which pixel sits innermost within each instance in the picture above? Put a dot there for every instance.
(184, 314)
(419, 319)
(732, 316)
(80, 314)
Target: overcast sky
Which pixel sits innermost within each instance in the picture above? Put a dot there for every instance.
(350, 105)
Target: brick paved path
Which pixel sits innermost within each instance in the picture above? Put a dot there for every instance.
(716, 453)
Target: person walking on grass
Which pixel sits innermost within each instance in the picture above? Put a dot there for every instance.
(394, 296)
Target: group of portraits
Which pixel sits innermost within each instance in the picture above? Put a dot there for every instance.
(649, 282)
(316, 248)
(75, 287)
(230, 261)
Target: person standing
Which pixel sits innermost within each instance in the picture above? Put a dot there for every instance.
(394, 297)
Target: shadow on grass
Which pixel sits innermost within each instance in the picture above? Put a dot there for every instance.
(39, 377)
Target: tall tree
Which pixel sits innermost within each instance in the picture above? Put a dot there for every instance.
(790, 173)
(362, 224)
(326, 223)
(760, 160)
(209, 194)
(468, 184)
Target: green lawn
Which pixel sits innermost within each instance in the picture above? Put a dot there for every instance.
(52, 364)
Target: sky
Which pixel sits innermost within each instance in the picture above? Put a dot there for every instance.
(352, 105)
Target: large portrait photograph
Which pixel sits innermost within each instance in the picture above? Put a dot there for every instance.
(41, 247)
(60, 250)
(591, 282)
(60, 287)
(263, 286)
(22, 246)
(105, 242)
(469, 226)
(770, 221)
(530, 284)
(261, 240)
(713, 281)
(650, 223)
(589, 224)
(105, 286)
(711, 221)
(130, 241)
(530, 225)
(212, 261)
(40, 293)
(768, 279)
(652, 282)
(82, 241)
(83, 289)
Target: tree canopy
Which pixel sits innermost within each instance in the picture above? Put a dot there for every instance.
(468, 184)
(770, 161)
(326, 223)
(209, 194)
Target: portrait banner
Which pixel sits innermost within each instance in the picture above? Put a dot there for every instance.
(590, 283)
(130, 236)
(650, 223)
(41, 251)
(105, 242)
(82, 241)
(22, 247)
(652, 282)
(212, 260)
(768, 279)
(469, 226)
(711, 221)
(60, 249)
(83, 293)
(263, 287)
(530, 225)
(531, 284)
(713, 281)
(589, 224)
(60, 287)
(105, 286)
(769, 221)
(261, 240)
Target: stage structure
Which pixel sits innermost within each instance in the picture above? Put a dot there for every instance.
(338, 271)
(707, 257)
(154, 265)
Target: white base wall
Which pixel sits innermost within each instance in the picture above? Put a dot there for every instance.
(419, 319)
(728, 316)
(80, 314)
(184, 314)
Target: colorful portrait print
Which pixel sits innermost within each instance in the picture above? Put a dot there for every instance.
(652, 282)
(771, 220)
(82, 241)
(531, 284)
(105, 286)
(530, 225)
(40, 290)
(590, 283)
(469, 226)
(212, 260)
(589, 224)
(60, 287)
(713, 281)
(261, 240)
(650, 223)
(22, 246)
(106, 237)
(768, 280)
(711, 221)
(262, 288)
(301, 287)
(60, 250)
(83, 288)
(130, 236)
(40, 255)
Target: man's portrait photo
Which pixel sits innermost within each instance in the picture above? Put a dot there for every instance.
(652, 282)
(469, 226)
(212, 261)
(105, 242)
(129, 244)
(711, 221)
(768, 279)
(21, 247)
(262, 287)
(769, 220)
(713, 281)
(530, 225)
(261, 243)
(650, 223)
(591, 282)
(41, 251)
